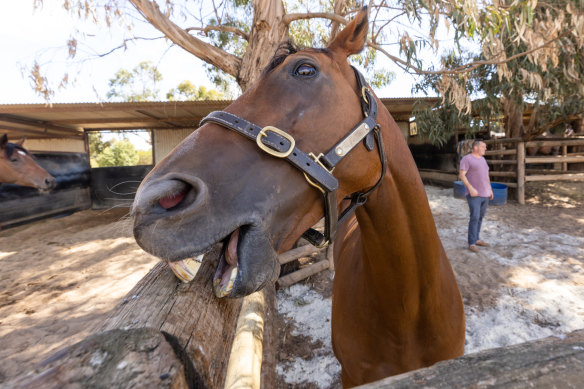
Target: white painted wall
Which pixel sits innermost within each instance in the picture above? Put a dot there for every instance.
(166, 140)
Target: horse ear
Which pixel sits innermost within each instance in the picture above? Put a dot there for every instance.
(21, 141)
(3, 141)
(351, 39)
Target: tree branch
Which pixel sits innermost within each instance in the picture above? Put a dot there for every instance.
(123, 45)
(289, 18)
(232, 30)
(224, 61)
(338, 7)
(464, 68)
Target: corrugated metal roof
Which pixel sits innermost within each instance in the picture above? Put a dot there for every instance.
(71, 119)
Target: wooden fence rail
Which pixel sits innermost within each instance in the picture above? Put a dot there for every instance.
(522, 175)
(547, 363)
(508, 158)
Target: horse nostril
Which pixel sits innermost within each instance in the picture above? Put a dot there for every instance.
(173, 200)
(171, 193)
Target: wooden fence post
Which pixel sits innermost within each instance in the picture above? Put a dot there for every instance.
(521, 172)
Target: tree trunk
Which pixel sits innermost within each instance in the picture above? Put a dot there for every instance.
(267, 32)
(513, 118)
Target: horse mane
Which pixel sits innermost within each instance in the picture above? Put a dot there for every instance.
(283, 51)
(10, 147)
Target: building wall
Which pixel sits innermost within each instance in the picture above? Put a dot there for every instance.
(57, 144)
(166, 140)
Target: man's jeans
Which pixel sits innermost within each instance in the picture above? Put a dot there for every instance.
(477, 206)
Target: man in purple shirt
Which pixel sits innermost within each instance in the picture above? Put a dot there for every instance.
(474, 173)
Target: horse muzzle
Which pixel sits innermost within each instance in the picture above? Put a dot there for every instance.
(175, 220)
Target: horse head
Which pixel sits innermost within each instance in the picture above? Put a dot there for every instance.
(17, 166)
(217, 186)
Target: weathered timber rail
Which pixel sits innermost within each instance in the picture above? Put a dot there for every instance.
(548, 363)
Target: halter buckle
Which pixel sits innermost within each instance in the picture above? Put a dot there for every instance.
(317, 160)
(264, 132)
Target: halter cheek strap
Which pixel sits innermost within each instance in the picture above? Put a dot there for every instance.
(317, 169)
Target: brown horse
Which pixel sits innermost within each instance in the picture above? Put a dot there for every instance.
(17, 166)
(396, 304)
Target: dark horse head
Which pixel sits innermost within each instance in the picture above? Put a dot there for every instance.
(218, 186)
(18, 167)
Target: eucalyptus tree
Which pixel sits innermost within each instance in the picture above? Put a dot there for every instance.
(533, 59)
(524, 46)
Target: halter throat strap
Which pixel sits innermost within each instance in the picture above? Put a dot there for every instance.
(317, 169)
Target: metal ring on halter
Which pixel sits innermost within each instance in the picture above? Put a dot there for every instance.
(363, 89)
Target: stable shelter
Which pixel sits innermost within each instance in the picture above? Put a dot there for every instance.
(57, 134)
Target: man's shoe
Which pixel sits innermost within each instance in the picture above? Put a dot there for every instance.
(473, 248)
(481, 243)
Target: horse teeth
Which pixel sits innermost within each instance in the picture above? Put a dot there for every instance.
(186, 269)
(232, 276)
(221, 292)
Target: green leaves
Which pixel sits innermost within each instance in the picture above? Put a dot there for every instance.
(138, 84)
(120, 153)
(187, 91)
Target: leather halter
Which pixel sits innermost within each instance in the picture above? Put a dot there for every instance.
(317, 169)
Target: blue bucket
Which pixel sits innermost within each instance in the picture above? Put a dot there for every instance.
(499, 192)
(459, 190)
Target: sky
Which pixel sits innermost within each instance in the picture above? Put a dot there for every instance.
(27, 35)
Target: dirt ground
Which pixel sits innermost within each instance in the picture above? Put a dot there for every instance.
(60, 277)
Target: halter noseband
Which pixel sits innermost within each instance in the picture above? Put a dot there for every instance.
(317, 169)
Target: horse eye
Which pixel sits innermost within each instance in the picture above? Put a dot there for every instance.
(305, 70)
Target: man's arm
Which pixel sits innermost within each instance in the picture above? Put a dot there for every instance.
(471, 190)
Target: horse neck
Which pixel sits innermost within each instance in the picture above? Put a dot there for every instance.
(398, 233)
(400, 247)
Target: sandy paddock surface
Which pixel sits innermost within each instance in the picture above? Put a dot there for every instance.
(60, 277)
